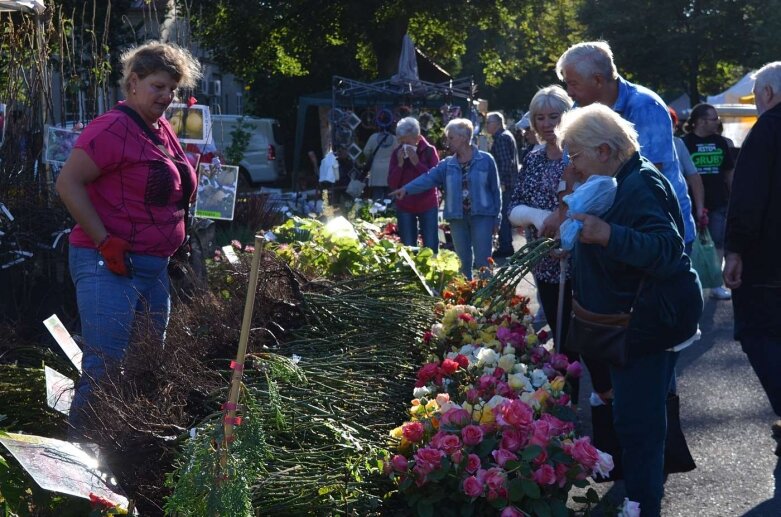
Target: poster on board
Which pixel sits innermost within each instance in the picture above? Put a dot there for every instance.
(217, 184)
(192, 125)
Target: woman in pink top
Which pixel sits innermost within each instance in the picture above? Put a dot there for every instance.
(414, 156)
(127, 184)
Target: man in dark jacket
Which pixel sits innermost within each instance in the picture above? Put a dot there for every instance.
(753, 248)
(505, 153)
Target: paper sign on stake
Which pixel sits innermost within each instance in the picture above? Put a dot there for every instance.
(64, 339)
(62, 467)
(59, 390)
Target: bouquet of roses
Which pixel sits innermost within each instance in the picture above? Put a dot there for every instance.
(491, 424)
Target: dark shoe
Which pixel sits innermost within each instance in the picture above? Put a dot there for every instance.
(500, 253)
(776, 429)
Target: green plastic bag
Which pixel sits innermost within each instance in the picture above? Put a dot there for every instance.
(706, 261)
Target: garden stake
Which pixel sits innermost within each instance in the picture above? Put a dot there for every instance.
(238, 364)
(560, 307)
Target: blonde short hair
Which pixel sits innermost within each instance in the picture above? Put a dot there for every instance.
(549, 97)
(156, 56)
(596, 124)
(588, 59)
(461, 126)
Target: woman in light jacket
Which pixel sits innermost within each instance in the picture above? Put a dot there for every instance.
(473, 198)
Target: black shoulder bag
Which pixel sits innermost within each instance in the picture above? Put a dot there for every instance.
(177, 265)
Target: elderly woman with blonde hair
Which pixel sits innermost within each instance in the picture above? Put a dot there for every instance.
(630, 272)
(473, 197)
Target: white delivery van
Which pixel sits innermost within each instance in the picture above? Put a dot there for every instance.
(264, 158)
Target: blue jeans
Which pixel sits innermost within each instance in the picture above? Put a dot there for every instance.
(764, 354)
(505, 229)
(640, 420)
(108, 305)
(472, 240)
(426, 221)
(717, 225)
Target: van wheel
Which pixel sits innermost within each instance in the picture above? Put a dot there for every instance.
(244, 184)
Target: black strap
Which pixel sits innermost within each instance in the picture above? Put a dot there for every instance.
(187, 185)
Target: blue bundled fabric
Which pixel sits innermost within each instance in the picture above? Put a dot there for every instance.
(594, 197)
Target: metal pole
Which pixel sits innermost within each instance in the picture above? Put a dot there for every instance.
(560, 305)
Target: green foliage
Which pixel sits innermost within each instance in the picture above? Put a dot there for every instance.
(309, 245)
(240, 137)
(202, 485)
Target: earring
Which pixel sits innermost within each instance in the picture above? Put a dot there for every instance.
(134, 91)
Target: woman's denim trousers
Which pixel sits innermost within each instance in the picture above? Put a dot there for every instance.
(411, 225)
(108, 306)
(473, 240)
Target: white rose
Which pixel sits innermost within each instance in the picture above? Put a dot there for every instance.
(467, 350)
(530, 400)
(421, 392)
(520, 368)
(495, 401)
(538, 378)
(507, 362)
(487, 356)
(438, 330)
(508, 349)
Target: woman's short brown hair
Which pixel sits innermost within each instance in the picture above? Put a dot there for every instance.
(156, 56)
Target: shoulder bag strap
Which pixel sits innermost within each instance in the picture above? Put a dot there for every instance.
(187, 184)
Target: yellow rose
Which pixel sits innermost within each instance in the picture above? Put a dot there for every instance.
(487, 416)
(396, 433)
(557, 384)
(531, 339)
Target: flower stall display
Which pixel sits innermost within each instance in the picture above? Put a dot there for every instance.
(491, 427)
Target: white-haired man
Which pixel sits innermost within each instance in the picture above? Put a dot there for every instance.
(505, 153)
(590, 75)
(753, 249)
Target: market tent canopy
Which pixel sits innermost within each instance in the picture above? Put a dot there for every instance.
(23, 5)
(738, 93)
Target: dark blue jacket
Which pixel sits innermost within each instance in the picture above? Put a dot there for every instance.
(754, 228)
(646, 245)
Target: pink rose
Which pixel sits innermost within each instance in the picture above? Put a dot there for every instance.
(541, 458)
(513, 440)
(399, 463)
(413, 432)
(473, 487)
(561, 474)
(472, 435)
(540, 433)
(457, 457)
(449, 366)
(420, 472)
(485, 382)
(502, 456)
(584, 453)
(428, 458)
(563, 400)
(545, 475)
(495, 478)
(557, 426)
(450, 443)
(504, 389)
(575, 370)
(472, 463)
(456, 417)
(512, 511)
(515, 413)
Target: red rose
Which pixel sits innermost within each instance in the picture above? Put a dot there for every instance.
(413, 432)
(428, 372)
(462, 360)
(449, 366)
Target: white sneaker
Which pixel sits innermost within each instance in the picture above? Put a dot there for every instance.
(720, 293)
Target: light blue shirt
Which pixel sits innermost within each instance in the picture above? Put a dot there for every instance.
(648, 112)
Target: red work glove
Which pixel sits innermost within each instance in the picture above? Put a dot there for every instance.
(114, 250)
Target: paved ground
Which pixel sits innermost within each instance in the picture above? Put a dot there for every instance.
(726, 418)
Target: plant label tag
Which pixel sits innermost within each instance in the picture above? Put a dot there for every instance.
(230, 254)
(64, 339)
(59, 390)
